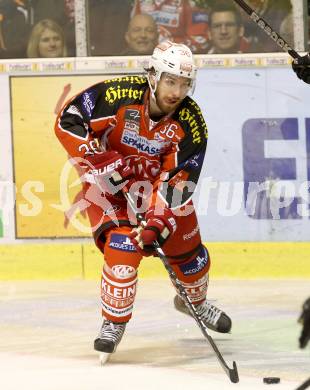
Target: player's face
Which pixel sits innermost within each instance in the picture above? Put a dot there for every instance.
(170, 92)
(225, 32)
(50, 44)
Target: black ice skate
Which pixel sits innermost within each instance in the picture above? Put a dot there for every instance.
(214, 318)
(108, 339)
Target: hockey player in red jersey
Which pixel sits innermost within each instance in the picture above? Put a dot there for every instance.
(148, 135)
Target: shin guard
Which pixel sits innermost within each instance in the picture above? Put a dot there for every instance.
(117, 296)
(193, 274)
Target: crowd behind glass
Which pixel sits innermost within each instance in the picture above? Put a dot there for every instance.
(46, 29)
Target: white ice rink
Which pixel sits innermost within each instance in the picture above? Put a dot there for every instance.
(47, 330)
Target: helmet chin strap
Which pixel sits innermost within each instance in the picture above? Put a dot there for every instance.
(154, 109)
(152, 89)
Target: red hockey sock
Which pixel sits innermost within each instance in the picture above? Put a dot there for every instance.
(117, 297)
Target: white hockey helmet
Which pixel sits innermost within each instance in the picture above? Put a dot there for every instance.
(174, 58)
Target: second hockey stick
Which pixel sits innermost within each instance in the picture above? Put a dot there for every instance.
(232, 373)
(267, 29)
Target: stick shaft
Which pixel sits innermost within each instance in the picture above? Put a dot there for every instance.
(304, 385)
(232, 373)
(267, 29)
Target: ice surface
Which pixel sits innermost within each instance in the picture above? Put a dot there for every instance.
(47, 330)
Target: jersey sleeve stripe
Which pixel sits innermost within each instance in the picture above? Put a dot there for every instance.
(72, 133)
(102, 118)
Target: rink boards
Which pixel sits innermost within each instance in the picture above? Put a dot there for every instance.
(54, 261)
(259, 148)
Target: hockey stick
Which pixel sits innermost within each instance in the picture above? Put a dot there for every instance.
(267, 29)
(231, 372)
(304, 386)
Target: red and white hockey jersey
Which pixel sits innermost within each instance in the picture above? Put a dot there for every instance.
(115, 112)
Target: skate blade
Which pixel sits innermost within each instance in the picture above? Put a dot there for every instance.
(103, 358)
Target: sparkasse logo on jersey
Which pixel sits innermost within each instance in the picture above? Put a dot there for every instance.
(151, 147)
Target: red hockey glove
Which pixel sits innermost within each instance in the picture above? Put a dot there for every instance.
(108, 170)
(158, 228)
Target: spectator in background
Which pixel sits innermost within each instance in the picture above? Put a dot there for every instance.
(180, 21)
(274, 12)
(287, 29)
(46, 40)
(226, 30)
(141, 35)
(107, 25)
(63, 13)
(14, 29)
